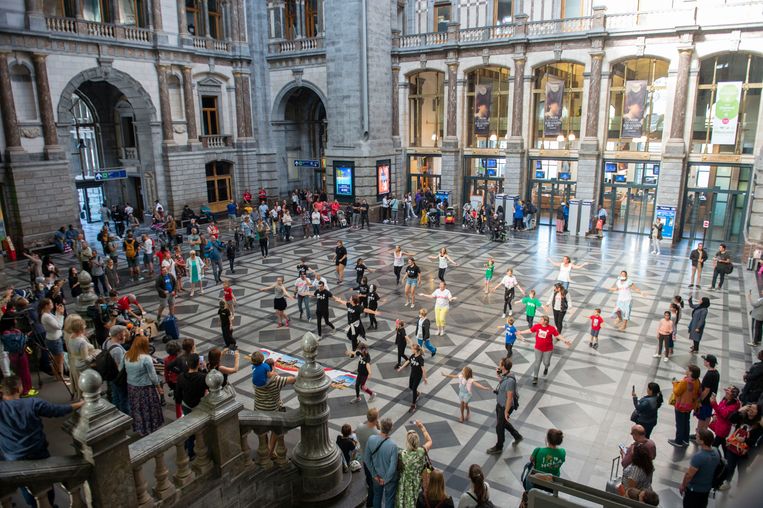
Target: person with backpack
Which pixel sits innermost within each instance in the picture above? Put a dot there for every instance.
(753, 382)
(130, 246)
(685, 399)
(110, 362)
(743, 439)
(478, 494)
(547, 461)
(699, 478)
(506, 402)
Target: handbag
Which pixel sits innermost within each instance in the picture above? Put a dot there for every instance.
(427, 471)
(634, 416)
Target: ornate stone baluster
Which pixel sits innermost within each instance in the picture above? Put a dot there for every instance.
(141, 488)
(40, 493)
(245, 447)
(280, 450)
(202, 464)
(164, 488)
(263, 453)
(184, 474)
(74, 488)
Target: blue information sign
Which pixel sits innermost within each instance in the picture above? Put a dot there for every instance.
(667, 214)
(307, 163)
(111, 174)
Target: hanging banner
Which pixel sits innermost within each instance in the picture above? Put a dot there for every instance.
(552, 119)
(726, 115)
(482, 97)
(633, 114)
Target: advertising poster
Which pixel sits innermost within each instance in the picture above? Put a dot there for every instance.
(344, 180)
(482, 98)
(382, 177)
(633, 113)
(340, 379)
(552, 119)
(667, 215)
(726, 114)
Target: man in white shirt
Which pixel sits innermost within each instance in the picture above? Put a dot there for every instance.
(303, 288)
(318, 279)
(385, 209)
(147, 246)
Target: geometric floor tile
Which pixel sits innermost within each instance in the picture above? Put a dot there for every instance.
(567, 416)
(273, 335)
(589, 376)
(441, 432)
(343, 408)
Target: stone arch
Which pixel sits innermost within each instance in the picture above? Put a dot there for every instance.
(468, 70)
(625, 58)
(282, 98)
(419, 70)
(549, 61)
(131, 88)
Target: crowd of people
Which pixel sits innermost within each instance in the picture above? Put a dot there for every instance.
(727, 431)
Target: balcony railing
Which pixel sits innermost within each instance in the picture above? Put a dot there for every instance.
(216, 141)
(130, 153)
(296, 45)
(98, 30)
(559, 26)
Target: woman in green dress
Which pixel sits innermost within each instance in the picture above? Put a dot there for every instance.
(413, 460)
(195, 267)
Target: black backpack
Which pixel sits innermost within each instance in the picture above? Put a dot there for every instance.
(105, 365)
(515, 404)
(721, 471)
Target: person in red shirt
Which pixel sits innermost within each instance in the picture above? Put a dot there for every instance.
(263, 195)
(545, 334)
(247, 196)
(596, 322)
(229, 298)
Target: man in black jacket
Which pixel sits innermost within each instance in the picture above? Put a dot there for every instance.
(191, 387)
(753, 383)
(165, 285)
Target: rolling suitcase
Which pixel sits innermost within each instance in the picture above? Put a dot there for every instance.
(169, 326)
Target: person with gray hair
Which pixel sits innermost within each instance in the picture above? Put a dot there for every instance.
(114, 346)
(380, 456)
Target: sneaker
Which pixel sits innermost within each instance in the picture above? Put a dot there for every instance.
(518, 439)
(495, 450)
(503, 315)
(355, 400)
(675, 443)
(725, 486)
(372, 396)
(318, 236)
(511, 313)
(545, 370)
(535, 380)
(692, 437)
(434, 353)
(756, 344)
(665, 359)
(31, 393)
(590, 344)
(596, 345)
(656, 355)
(691, 285)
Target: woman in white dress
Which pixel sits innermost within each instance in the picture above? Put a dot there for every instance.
(195, 267)
(625, 288)
(565, 270)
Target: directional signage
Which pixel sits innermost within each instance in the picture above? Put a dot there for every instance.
(307, 163)
(111, 174)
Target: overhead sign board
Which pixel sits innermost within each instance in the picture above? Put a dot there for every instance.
(111, 174)
(307, 163)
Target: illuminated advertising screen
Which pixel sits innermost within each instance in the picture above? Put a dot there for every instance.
(383, 177)
(344, 180)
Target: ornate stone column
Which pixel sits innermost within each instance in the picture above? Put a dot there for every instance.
(10, 122)
(451, 123)
(395, 101)
(301, 21)
(182, 22)
(164, 103)
(316, 455)
(189, 103)
(241, 21)
(243, 105)
(519, 96)
(594, 93)
(678, 120)
(156, 14)
(35, 16)
(205, 13)
(514, 176)
(589, 167)
(43, 98)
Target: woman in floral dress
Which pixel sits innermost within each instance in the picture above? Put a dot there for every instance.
(195, 267)
(413, 460)
(180, 267)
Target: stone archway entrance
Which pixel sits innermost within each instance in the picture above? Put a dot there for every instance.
(300, 134)
(104, 121)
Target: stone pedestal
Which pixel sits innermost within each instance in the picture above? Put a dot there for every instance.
(316, 455)
(451, 170)
(100, 435)
(516, 173)
(88, 296)
(589, 170)
(673, 180)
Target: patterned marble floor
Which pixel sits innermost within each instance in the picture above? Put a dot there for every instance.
(586, 393)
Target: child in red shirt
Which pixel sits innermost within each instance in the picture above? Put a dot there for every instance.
(596, 322)
(229, 297)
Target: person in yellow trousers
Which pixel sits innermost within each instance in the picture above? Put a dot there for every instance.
(442, 298)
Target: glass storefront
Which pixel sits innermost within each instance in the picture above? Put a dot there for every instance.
(558, 106)
(483, 178)
(629, 191)
(426, 120)
(487, 106)
(552, 182)
(716, 194)
(424, 172)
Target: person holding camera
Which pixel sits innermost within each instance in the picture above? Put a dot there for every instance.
(507, 401)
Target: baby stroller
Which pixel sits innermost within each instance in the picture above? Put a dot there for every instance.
(450, 216)
(341, 218)
(433, 217)
(499, 231)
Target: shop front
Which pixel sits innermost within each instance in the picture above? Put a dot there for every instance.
(716, 202)
(483, 179)
(552, 182)
(424, 172)
(628, 194)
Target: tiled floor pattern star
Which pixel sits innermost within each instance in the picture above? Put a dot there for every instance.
(586, 393)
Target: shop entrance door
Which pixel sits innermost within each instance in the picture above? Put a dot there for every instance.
(90, 200)
(422, 181)
(630, 208)
(475, 187)
(724, 210)
(548, 195)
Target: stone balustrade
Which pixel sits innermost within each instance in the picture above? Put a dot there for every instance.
(296, 45)
(216, 141)
(222, 473)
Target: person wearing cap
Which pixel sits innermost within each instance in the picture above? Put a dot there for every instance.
(708, 388)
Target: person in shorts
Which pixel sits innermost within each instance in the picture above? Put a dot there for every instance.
(166, 285)
(596, 322)
(412, 278)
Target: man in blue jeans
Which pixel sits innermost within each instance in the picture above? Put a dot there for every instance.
(380, 456)
(22, 436)
(698, 480)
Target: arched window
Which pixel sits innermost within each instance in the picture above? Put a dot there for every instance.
(728, 102)
(426, 91)
(176, 97)
(23, 93)
(84, 136)
(558, 105)
(487, 106)
(637, 105)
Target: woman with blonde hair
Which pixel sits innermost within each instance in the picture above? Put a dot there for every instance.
(81, 352)
(143, 387)
(412, 462)
(434, 495)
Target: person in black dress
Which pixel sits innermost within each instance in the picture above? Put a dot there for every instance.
(354, 324)
(322, 297)
(364, 371)
(340, 258)
(372, 302)
(226, 325)
(418, 373)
